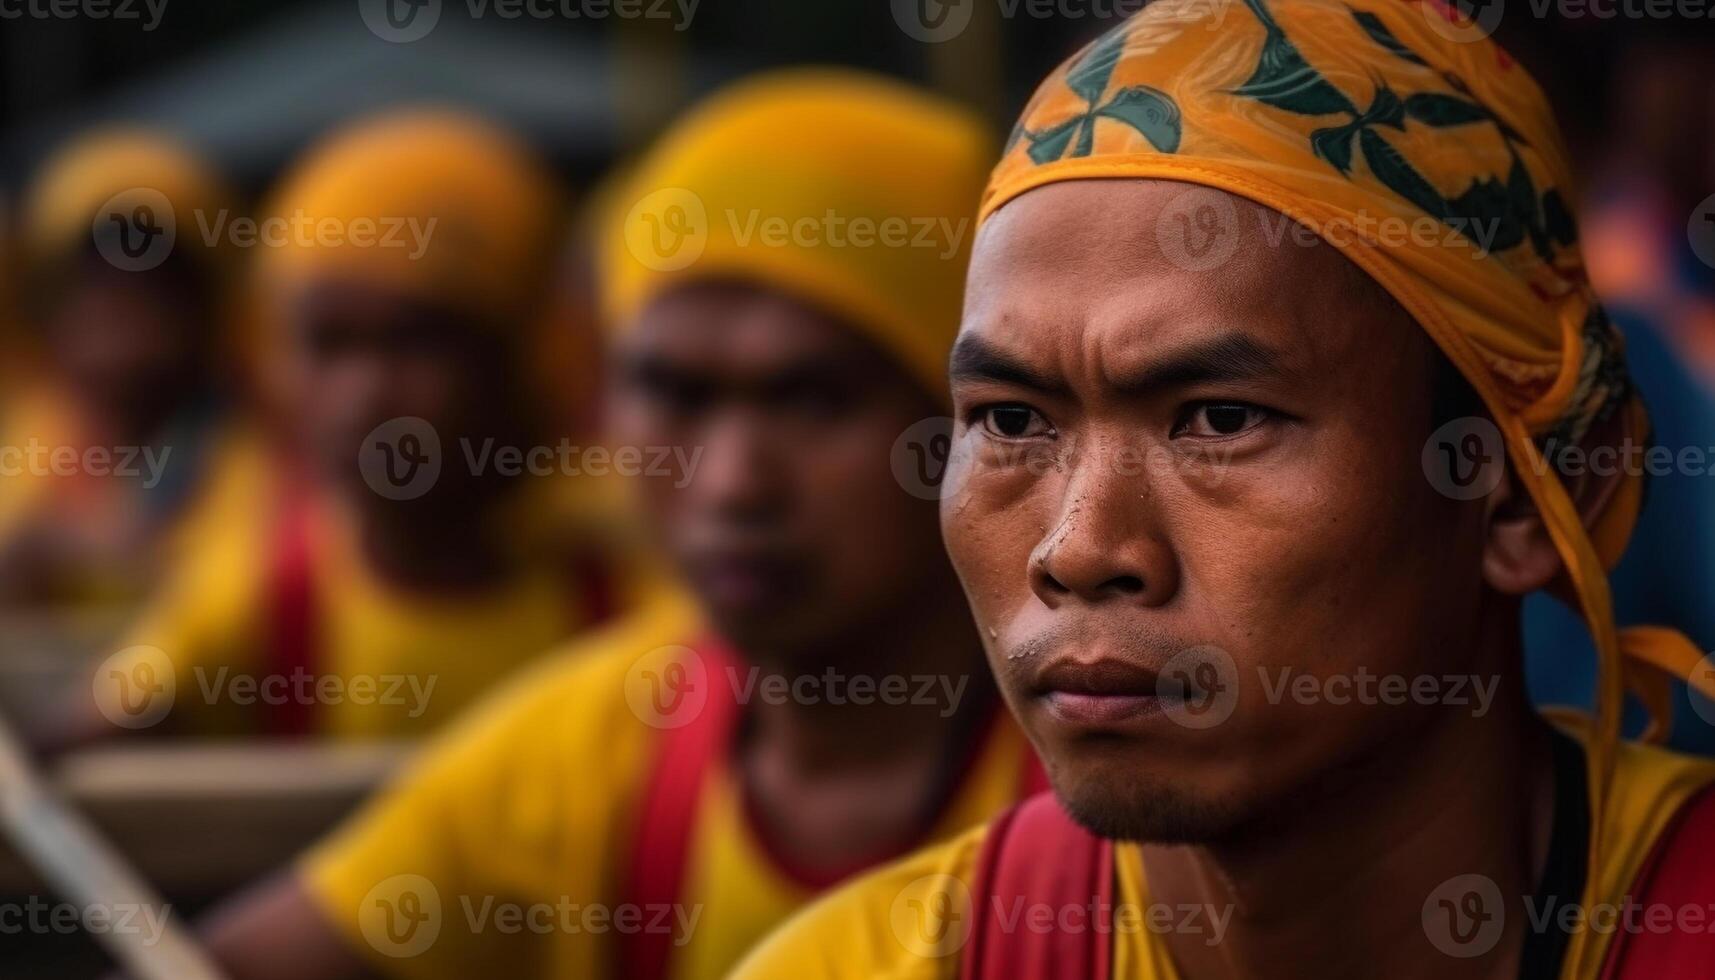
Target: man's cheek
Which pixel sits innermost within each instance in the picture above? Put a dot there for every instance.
(991, 513)
(991, 557)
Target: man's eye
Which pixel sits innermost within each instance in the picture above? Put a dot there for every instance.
(1013, 421)
(1212, 420)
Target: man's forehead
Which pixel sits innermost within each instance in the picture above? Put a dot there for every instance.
(354, 304)
(1065, 268)
(744, 335)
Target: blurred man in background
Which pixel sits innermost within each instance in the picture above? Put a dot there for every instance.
(382, 567)
(816, 703)
(113, 427)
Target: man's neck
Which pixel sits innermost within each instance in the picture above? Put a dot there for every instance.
(458, 554)
(1337, 886)
(928, 652)
(837, 782)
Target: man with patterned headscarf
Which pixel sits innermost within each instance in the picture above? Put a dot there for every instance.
(1279, 385)
(782, 273)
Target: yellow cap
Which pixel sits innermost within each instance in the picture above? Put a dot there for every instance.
(116, 171)
(854, 193)
(429, 203)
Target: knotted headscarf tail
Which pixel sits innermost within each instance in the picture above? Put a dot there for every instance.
(1358, 119)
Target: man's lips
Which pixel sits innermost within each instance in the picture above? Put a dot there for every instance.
(1097, 693)
(743, 578)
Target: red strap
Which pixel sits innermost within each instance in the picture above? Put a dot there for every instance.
(1678, 876)
(291, 620)
(1032, 778)
(1033, 857)
(667, 818)
(668, 813)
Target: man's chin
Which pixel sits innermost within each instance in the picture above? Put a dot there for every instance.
(768, 631)
(1147, 809)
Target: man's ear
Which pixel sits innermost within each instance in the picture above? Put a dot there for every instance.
(1518, 555)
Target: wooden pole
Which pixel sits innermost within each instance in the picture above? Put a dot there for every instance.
(85, 870)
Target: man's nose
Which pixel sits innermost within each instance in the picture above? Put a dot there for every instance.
(739, 475)
(1109, 544)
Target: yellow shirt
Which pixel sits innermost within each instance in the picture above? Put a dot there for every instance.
(111, 516)
(383, 662)
(873, 928)
(526, 810)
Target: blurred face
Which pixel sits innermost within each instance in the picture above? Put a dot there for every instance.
(791, 528)
(1172, 489)
(129, 343)
(362, 357)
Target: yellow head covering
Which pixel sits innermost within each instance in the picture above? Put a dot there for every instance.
(1364, 115)
(116, 171)
(854, 193)
(432, 204)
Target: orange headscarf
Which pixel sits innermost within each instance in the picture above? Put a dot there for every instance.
(428, 203)
(1359, 115)
(431, 203)
(112, 171)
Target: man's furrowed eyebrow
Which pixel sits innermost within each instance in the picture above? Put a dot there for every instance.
(975, 359)
(1230, 356)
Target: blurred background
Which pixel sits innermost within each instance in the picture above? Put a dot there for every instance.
(221, 100)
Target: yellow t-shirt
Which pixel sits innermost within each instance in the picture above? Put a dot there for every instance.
(113, 515)
(874, 927)
(506, 846)
(383, 663)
